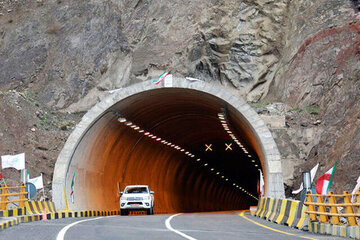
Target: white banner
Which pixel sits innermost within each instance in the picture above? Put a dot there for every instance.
(15, 161)
(355, 189)
(262, 192)
(38, 182)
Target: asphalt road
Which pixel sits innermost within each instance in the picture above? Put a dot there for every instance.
(227, 226)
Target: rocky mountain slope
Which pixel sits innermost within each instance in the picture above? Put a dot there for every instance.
(58, 58)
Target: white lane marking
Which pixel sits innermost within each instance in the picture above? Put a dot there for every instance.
(62, 232)
(168, 226)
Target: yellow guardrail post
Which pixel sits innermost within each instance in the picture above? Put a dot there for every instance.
(312, 216)
(323, 218)
(349, 209)
(358, 199)
(334, 218)
(22, 196)
(4, 198)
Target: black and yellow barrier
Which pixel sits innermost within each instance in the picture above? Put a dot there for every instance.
(283, 211)
(52, 215)
(12, 212)
(38, 207)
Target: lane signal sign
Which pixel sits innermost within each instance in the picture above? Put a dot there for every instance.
(208, 147)
(228, 146)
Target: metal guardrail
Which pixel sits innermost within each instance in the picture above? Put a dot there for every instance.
(321, 207)
(4, 196)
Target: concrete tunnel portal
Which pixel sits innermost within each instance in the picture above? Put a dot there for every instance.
(198, 147)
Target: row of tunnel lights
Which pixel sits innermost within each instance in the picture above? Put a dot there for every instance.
(227, 129)
(176, 147)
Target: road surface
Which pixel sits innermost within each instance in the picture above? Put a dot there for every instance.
(197, 226)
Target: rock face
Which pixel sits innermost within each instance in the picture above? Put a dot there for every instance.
(304, 55)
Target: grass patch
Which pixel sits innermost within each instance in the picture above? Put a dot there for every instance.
(258, 105)
(309, 109)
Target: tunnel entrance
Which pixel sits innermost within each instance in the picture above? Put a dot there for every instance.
(196, 145)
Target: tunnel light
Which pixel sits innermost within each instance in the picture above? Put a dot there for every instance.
(163, 141)
(153, 137)
(227, 179)
(234, 184)
(198, 160)
(158, 139)
(217, 173)
(133, 126)
(221, 115)
(205, 164)
(141, 131)
(147, 133)
(128, 123)
(192, 156)
(223, 121)
(253, 160)
(182, 150)
(136, 128)
(256, 165)
(187, 153)
(249, 156)
(122, 120)
(222, 176)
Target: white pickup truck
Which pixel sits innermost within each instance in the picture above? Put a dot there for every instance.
(137, 197)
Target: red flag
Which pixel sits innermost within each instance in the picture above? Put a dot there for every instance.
(1, 176)
(323, 183)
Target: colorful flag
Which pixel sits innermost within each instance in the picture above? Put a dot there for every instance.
(324, 182)
(162, 77)
(355, 189)
(262, 192)
(72, 188)
(15, 161)
(38, 182)
(312, 175)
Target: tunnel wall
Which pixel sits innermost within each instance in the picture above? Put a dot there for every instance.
(91, 191)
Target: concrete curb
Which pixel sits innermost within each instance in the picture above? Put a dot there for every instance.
(335, 230)
(13, 212)
(56, 215)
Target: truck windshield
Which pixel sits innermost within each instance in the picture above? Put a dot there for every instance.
(136, 190)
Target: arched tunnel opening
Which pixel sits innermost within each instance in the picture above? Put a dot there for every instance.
(194, 150)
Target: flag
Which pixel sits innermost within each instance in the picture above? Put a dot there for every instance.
(262, 192)
(38, 182)
(15, 161)
(72, 188)
(355, 189)
(323, 183)
(162, 76)
(312, 175)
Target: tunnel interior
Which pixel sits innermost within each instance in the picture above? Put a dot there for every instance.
(194, 150)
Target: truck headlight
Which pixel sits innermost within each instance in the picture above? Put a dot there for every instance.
(146, 198)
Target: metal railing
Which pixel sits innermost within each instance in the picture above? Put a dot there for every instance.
(323, 207)
(19, 191)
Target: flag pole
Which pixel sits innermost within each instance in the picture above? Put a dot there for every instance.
(43, 185)
(331, 178)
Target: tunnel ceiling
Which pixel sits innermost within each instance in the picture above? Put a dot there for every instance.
(115, 151)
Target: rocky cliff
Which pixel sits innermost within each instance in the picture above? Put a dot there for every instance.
(296, 62)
